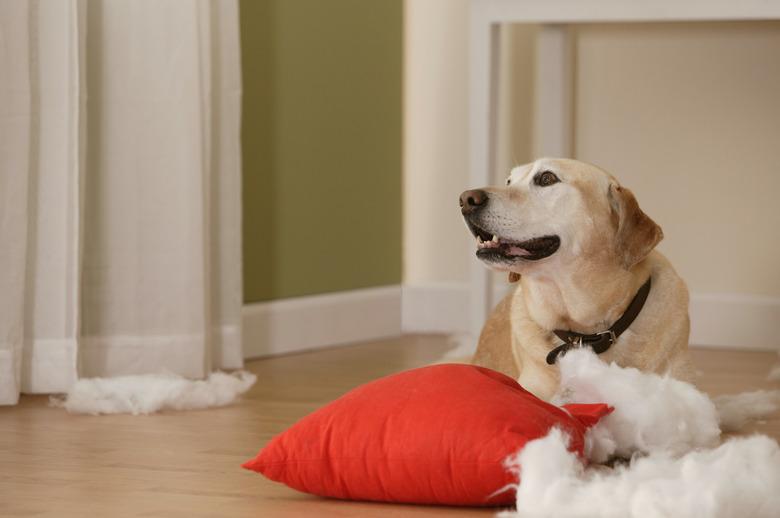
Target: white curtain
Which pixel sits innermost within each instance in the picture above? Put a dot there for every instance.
(119, 190)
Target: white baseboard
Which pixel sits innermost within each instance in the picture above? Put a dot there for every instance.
(440, 307)
(725, 320)
(734, 320)
(301, 323)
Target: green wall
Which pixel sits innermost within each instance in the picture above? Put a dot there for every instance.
(321, 145)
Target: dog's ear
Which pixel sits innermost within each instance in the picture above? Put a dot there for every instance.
(514, 277)
(636, 233)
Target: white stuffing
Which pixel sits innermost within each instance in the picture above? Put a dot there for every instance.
(150, 393)
(736, 410)
(739, 478)
(652, 412)
(668, 430)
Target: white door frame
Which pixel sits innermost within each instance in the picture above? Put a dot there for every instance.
(552, 133)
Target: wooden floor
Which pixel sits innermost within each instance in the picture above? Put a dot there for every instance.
(187, 463)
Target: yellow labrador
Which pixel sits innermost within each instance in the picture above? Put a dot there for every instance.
(583, 252)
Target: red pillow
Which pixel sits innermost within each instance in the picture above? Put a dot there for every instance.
(434, 435)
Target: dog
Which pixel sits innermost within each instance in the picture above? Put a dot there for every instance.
(583, 255)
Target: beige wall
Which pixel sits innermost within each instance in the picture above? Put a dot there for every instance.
(686, 115)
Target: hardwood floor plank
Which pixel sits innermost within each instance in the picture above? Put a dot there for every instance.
(187, 463)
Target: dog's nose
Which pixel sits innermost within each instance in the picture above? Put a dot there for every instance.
(471, 201)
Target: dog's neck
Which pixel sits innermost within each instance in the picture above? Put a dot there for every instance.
(588, 299)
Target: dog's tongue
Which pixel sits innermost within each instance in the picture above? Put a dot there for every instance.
(516, 250)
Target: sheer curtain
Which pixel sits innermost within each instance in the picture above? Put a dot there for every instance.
(119, 190)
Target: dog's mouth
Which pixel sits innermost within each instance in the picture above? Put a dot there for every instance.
(493, 248)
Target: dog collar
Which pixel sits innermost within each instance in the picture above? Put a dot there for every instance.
(601, 342)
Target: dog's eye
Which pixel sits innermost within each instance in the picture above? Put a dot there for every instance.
(508, 181)
(545, 178)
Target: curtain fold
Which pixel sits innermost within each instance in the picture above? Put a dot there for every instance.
(120, 190)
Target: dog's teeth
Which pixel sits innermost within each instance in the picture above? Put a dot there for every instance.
(495, 239)
(479, 240)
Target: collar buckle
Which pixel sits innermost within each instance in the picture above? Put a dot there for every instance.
(603, 341)
(609, 334)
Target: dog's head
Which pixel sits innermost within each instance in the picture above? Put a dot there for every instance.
(555, 211)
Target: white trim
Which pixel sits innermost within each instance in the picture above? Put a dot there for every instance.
(573, 11)
(301, 323)
(725, 320)
(440, 307)
(728, 320)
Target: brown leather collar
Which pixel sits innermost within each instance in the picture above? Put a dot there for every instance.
(600, 342)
